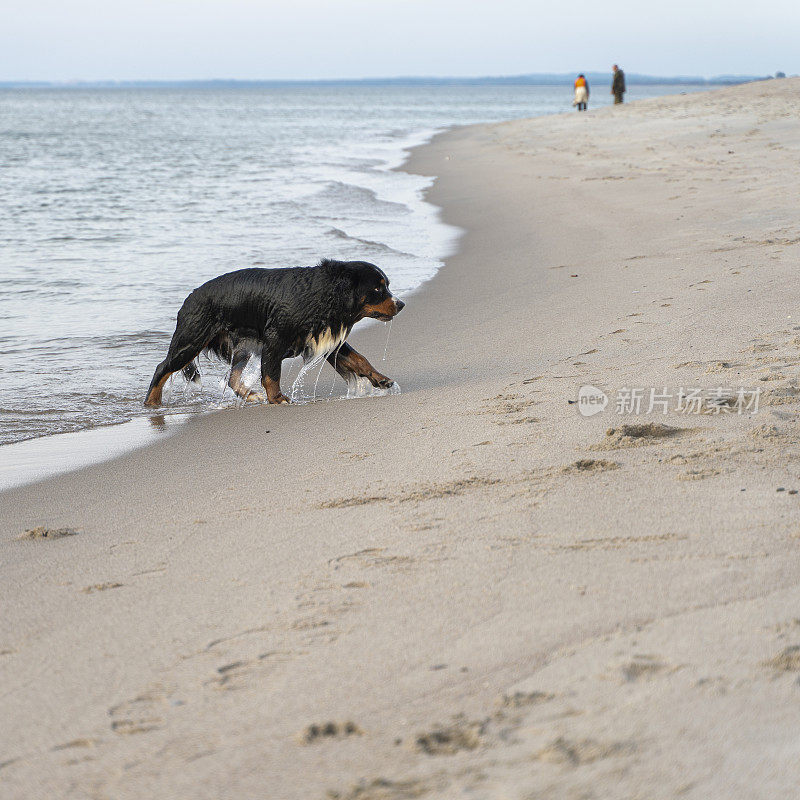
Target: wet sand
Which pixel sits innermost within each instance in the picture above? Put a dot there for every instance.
(469, 589)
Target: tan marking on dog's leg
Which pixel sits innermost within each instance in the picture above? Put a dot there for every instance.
(154, 396)
(273, 390)
(356, 363)
(239, 388)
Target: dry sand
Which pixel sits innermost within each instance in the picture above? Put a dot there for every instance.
(468, 590)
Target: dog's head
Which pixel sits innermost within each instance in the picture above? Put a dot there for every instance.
(372, 297)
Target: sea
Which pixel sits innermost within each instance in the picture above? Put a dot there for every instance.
(117, 202)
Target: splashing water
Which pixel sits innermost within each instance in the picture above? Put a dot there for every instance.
(361, 387)
(251, 376)
(298, 392)
(301, 390)
(225, 380)
(249, 381)
(333, 382)
(388, 334)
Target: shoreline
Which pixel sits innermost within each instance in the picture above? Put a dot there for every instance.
(108, 335)
(33, 460)
(411, 247)
(25, 462)
(467, 589)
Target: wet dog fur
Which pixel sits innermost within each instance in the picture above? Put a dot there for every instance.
(278, 313)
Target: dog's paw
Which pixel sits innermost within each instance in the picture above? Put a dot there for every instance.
(381, 381)
(279, 400)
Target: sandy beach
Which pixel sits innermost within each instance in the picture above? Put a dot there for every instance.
(469, 589)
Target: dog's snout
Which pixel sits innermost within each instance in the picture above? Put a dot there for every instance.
(399, 304)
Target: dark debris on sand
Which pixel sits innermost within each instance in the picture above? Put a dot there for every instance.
(41, 532)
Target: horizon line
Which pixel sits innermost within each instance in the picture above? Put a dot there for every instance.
(540, 78)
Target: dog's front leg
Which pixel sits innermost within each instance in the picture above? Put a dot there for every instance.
(348, 362)
(271, 358)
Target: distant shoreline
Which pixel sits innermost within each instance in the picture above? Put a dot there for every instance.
(537, 79)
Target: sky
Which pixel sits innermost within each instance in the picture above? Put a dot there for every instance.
(66, 40)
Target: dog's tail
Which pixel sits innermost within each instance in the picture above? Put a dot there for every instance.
(191, 372)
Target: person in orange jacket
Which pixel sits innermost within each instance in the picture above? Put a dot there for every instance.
(581, 93)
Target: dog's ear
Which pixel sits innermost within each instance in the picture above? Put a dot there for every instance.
(349, 288)
(362, 277)
(366, 275)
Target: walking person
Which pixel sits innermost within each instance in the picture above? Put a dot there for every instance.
(618, 84)
(581, 93)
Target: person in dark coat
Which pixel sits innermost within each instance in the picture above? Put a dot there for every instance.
(618, 84)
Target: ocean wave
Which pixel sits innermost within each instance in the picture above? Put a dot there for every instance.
(110, 249)
(344, 199)
(338, 233)
(109, 237)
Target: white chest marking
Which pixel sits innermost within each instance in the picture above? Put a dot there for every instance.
(325, 343)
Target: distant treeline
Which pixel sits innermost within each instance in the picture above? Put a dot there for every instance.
(538, 79)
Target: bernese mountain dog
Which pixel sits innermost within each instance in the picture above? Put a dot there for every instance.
(279, 313)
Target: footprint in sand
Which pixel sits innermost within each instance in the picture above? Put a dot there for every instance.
(450, 739)
(642, 667)
(384, 789)
(788, 660)
(142, 714)
(228, 674)
(416, 493)
(370, 557)
(354, 456)
(100, 587)
(698, 474)
(517, 421)
(241, 673)
(314, 734)
(765, 431)
(358, 500)
(506, 404)
(619, 542)
(638, 435)
(586, 466)
(780, 395)
(574, 753)
(524, 699)
(75, 743)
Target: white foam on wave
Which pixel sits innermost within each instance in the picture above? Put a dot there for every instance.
(411, 244)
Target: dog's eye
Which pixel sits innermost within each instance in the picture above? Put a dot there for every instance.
(379, 290)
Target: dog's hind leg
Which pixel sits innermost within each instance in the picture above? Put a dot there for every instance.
(169, 366)
(239, 362)
(183, 349)
(348, 362)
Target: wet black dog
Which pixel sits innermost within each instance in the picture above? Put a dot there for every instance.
(279, 313)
